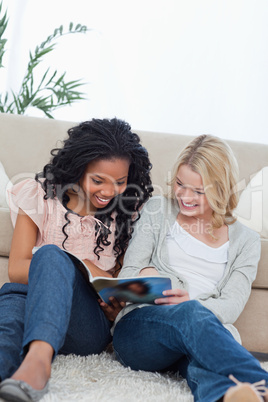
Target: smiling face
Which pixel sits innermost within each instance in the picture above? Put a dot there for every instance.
(103, 180)
(190, 193)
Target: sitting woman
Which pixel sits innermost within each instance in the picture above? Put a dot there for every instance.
(85, 201)
(212, 260)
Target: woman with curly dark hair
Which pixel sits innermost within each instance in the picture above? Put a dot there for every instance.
(85, 201)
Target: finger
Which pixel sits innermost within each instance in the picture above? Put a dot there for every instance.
(167, 300)
(175, 292)
(105, 307)
(116, 303)
(172, 300)
(113, 303)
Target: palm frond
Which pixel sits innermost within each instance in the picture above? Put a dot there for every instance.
(52, 90)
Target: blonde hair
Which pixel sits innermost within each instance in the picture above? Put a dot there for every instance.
(214, 160)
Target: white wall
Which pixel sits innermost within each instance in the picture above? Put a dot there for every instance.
(181, 66)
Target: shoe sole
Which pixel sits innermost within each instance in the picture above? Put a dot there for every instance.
(10, 398)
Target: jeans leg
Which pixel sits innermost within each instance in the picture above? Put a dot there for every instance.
(12, 310)
(153, 338)
(88, 330)
(61, 309)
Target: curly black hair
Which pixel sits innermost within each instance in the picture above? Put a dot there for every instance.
(100, 139)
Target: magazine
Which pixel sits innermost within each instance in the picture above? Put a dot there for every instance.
(139, 289)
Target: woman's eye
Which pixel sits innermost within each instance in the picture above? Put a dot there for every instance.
(120, 183)
(96, 181)
(199, 192)
(179, 184)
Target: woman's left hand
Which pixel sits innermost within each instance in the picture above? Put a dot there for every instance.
(111, 310)
(175, 296)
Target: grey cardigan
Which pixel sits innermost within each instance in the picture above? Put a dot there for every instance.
(147, 248)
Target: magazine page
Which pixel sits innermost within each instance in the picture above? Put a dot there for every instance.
(140, 289)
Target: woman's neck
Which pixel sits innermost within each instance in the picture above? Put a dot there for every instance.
(203, 230)
(79, 204)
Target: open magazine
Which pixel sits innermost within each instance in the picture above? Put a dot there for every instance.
(141, 289)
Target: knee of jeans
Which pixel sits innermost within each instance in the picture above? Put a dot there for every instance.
(48, 248)
(50, 255)
(191, 308)
(48, 252)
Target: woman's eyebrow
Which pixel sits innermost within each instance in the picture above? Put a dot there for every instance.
(102, 178)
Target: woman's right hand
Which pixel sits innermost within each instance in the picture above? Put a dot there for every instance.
(173, 296)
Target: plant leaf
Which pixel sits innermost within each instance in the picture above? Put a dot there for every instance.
(52, 91)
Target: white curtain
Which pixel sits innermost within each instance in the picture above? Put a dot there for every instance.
(180, 66)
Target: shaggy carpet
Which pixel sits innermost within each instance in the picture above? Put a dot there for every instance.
(100, 378)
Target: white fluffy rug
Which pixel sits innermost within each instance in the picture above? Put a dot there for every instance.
(101, 378)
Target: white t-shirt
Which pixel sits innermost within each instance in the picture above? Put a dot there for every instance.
(201, 265)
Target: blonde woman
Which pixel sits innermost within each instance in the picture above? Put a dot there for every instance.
(212, 261)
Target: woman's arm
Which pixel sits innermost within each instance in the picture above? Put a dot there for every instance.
(96, 271)
(23, 241)
(140, 248)
(112, 273)
(149, 271)
(236, 287)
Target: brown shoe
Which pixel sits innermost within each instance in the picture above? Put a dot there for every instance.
(246, 392)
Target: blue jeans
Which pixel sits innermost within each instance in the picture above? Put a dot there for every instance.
(58, 306)
(187, 338)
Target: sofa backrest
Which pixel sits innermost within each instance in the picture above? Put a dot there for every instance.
(26, 143)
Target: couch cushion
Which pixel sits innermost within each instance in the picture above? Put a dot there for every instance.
(3, 270)
(252, 324)
(6, 232)
(4, 180)
(252, 209)
(261, 281)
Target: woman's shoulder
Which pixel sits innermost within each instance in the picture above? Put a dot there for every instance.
(238, 230)
(28, 188)
(27, 195)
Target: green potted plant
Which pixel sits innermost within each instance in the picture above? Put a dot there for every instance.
(49, 92)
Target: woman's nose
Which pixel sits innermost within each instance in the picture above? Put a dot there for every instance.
(188, 192)
(108, 190)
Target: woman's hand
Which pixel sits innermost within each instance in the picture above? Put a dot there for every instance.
(111, 310)
(175, 296)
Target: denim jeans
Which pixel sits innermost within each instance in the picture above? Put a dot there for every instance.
(187, 338)
(58, 306)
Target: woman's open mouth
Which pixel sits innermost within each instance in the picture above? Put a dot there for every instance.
(188, 205)
(103, 201)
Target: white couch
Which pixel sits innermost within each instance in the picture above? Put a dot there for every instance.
(25, 148)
